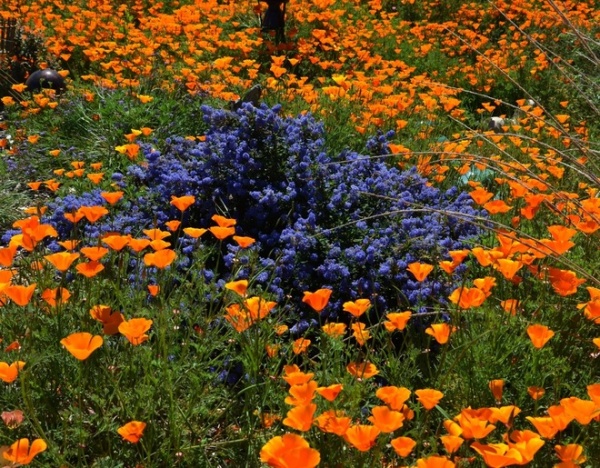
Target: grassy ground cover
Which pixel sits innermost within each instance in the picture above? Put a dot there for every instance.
(356, 270)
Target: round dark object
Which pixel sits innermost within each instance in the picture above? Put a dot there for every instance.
(46, 78)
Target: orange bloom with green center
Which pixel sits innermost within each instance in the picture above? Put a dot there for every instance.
(22, 453)
(132, 431)
(82, 345)
(10, 372)
(429, 397)
(318, 300)
(289, 451)
(135, 330)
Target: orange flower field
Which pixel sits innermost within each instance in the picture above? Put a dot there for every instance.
(299, 233)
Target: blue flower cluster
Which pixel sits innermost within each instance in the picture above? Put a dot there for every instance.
(351, 222)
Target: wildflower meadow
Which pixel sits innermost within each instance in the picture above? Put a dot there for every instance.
(336, 233)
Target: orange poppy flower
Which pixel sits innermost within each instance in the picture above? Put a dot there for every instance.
(290, 451)
(73, 217)
(112, 197)
(334, 329)
(89, 269)
(96, 177)
(581, 410)
(440, 332)
(94, 253)
(467, 298)
(258, 308)
(110, 319)
(137, 245)
(508, 268)
(451, 443)
(222, 233)
(62, 261)
(360, 334)
(153, 289)
(539, 335)
(294, 376)
(571, 454)
(385, 419)
(10, 372)
(92, 213)
(194, 232)
(223, 222)
(132, 431)
(474, 423)
(429, 397)
(331, 392)
(403, 446)
(156, 234)
(593, 391)
(159, 244)
(536, 392)
(69, 244)
(55, 296)
(393, 396)
(498, 455)
(21, 453)
(135, 330)
(396, 320)
(481, 195)
(173, 225)
(116, 242)
(82, 344)
(302, 394)
(300, 417)
(318, 300)
(244, 242)
(20, 295)
(358, 307)
(496, 387)
(161, 259)
(239, 319)
(183, 203)
(496, 206)
(300, 345)
(240, 287)
(333, 422)
(362, 436)
(511, 306)
(420, 270)
(7, 255)
(362, 370)
(564, 282)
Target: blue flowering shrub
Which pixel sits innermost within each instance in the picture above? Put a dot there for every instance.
(351, 222)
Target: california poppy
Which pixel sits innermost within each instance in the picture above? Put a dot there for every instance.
(467, 298)
(331, 392)
(385, 419)
(451, 443)
(300, 417)
(334, 422)
(10, 372)
(20, 295)
(334, 329)
(110, 319)
(396, 320)
(420, 270)
(536, 392)
(358, 307)
(161, 259)
(301, 394)
(92, 213)
(318, 300)
(183, 203)
(239, 286)
(135, 330)
(112, 197)
(94, 253)
(82, 345)
(222, 233)
(581, 410)
(290, 451)
(403, 446)
(300, 345)
(393, 396)
(55, 296)
(156, 234)
(62, 261)
(137, 245)
(243, 241)
(194, 232)
(116, 242)
(362, 370)
(132, 431)
(89, 269)
(7, 255)
(539, 335)
(173, 225)
(362, 436)
(496, 386)
(440, 331)
(153, 289)
(294, 376)
(22, 453)
(571, 454)
(428, 397)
